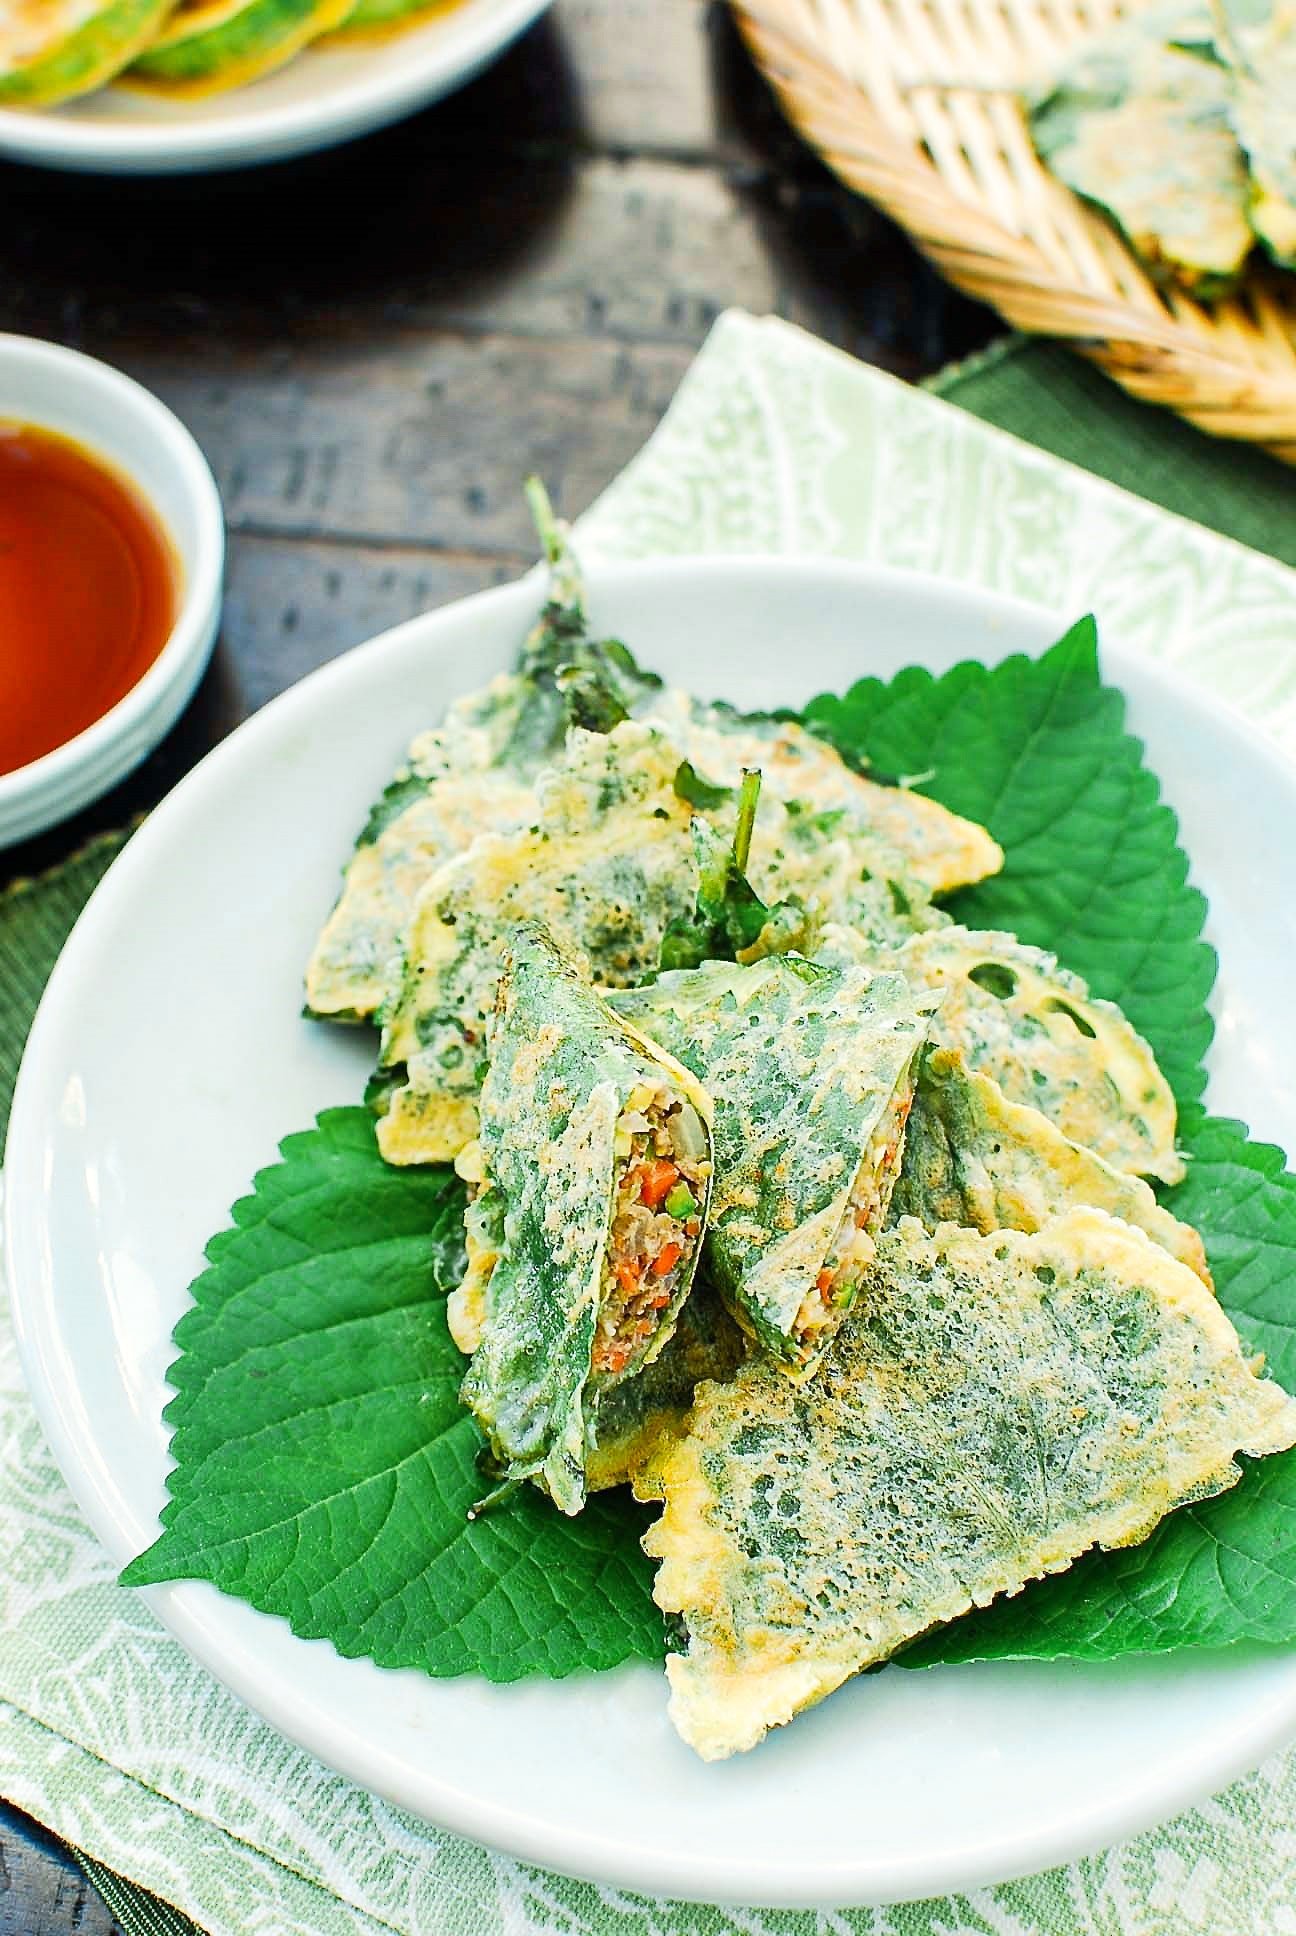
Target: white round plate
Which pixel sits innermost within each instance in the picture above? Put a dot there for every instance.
(330, 92)
(168, 1060)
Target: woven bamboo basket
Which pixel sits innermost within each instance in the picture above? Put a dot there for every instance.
(916, 104)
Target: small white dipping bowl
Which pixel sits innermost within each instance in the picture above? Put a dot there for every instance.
(119, 421)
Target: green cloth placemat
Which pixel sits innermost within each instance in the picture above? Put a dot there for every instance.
(774, 443)
(36, 918)
(1055, 399)
(139, 1913)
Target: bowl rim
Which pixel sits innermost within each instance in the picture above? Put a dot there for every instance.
(52, 778)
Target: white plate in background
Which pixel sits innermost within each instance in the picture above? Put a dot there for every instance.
(328, 93)
(169, 1059)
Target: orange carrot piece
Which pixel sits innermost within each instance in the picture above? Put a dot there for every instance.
(656, 1180)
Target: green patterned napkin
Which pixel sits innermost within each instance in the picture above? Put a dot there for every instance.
(111, 1736)
(1047, 394)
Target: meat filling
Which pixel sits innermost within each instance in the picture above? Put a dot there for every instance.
(661, 1187)
(855, 1243)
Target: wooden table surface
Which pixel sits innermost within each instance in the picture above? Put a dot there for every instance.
(375, 345)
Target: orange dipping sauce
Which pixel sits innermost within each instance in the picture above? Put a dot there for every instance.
(89, 590)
